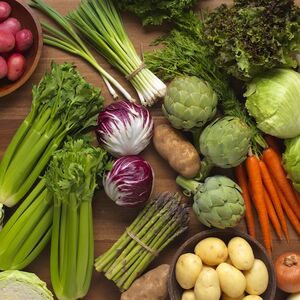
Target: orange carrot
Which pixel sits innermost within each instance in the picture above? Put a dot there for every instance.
(272, 215)
(288, 210)
(297, 195)
(273, 142)
(255, 180)
(271, 191)
(273, 162)
(241, 177)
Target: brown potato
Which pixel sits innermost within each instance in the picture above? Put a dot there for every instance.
(181, 155)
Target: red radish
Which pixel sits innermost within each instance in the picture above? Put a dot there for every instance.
(16, 66)
(11, 25)
(24, 40)
(3, 67)
(7, 41)
(5, 10)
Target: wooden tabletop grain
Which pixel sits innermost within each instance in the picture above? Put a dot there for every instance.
(109, 220)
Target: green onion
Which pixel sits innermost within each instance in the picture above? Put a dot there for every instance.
(63, 103)
(71, 42)
(27, 231)
(71, 179)
(101, 24)
(159, 223)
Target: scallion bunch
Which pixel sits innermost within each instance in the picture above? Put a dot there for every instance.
(159, 223)
(101, 24)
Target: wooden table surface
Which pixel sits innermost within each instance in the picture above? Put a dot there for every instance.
(109, 220)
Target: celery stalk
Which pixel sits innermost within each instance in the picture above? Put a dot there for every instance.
(63, 103)
(71, 179)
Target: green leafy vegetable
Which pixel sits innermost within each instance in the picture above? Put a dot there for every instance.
(71, 179)
(253, 36)
(15, 285)
(155, 12)
(185, 52)
(63, 103)
(273, 100)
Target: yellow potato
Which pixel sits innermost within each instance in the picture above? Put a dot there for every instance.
(257, 278)
(240, 253)
(207, 286)
(253, 297)
(212, 251)
(225, 297)
(187, 270)
(232, 280)
(188, 295)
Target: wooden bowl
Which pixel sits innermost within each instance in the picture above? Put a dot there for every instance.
(28, 20)
(175, 291)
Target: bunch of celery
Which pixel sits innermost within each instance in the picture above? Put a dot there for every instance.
(28, 230)
(63, 103)
(71, 179)
(69, 41)
(101, 24)
(160, 222)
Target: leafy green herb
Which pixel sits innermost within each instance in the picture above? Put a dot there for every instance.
(253, 36)
(155, 12)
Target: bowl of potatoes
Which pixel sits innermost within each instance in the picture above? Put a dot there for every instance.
(221, 264)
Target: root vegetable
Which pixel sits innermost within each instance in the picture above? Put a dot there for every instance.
(7, 41)
(252, 297)
(294, 297)
(232, 280)
(188, 268)
(24, 40)
(3, 67)
(257, 278)
(11, 25)
(287, 267)
(5, 10)
(240, 253)
(16, 66)
(150, 286)
(212, 251)
(207, 286)
(226, 297)
(188, 295)
(180, 154)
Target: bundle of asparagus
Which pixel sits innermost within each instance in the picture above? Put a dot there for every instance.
(159, 223)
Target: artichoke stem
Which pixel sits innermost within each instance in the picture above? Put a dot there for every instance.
(205, 168)
(188, 185)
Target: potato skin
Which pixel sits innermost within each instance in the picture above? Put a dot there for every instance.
(150, 286)
(240, 253)
(212, 251)
(232, 280)
(188, 295)
(225, 297)
(252, 297)
(181, 155)
(187, 270)
(257, 278)
(207, 286)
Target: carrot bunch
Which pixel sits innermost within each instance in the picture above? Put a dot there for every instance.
(266, 188)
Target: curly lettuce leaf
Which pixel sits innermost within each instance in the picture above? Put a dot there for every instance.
(254, 36)
(155, 12)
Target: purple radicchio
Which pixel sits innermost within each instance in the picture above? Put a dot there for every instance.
(130, 181)
(124, 128)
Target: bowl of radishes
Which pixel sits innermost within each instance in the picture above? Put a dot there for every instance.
(21, 44)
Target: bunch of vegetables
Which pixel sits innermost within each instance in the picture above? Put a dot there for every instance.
(158, 224)
(72, 179)
(14, 42)
(265, 185)
(216, 270)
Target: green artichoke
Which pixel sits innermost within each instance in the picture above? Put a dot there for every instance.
(218, 201)
(291, 160)
(189, 103)
(226, 141)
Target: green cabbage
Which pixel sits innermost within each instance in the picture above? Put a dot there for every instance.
(291, 160)
(18, 285)
(273, 99)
